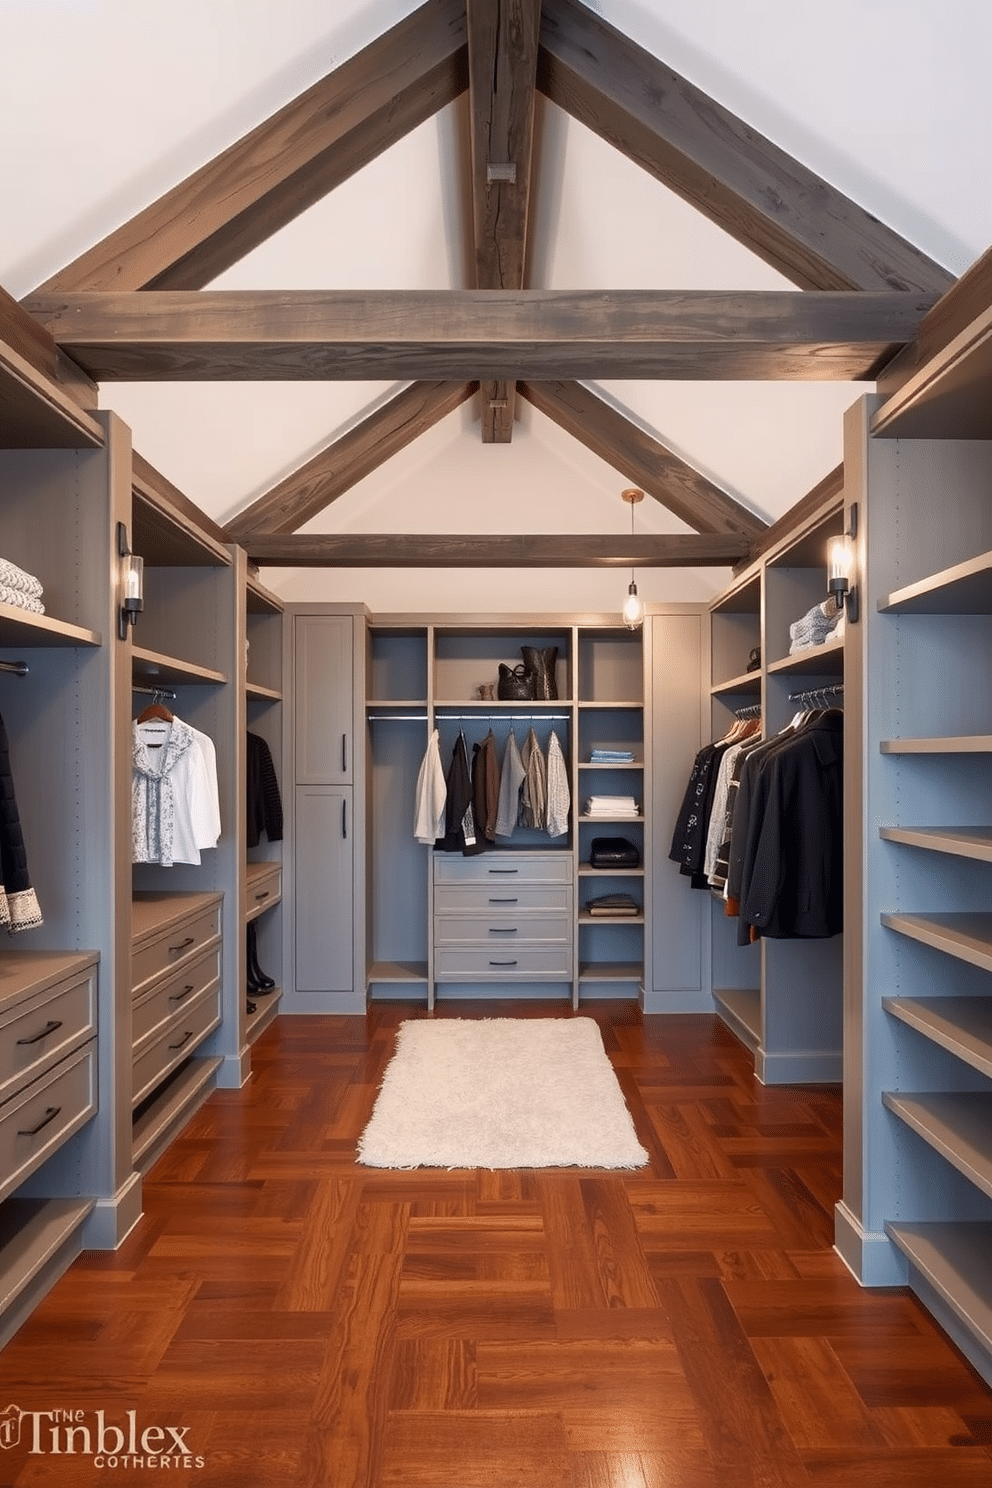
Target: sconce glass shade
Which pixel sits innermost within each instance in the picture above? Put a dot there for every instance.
(839, 563)
(633, 608)
(131, 579)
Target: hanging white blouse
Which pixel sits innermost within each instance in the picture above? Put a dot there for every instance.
(174, 806)
(559, 797)
(432, 795)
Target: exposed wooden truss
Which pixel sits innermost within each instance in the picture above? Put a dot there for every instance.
(641, 458)
(285, 165)
(502, 56)
(218, 335)
(347, 460)
(551, 550)
(874, 287)
(772, 204)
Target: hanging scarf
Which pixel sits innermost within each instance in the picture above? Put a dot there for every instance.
(152, 799)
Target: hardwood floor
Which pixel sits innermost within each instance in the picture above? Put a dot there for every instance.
(297, 1319)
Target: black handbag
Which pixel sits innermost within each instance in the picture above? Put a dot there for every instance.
(613, 852)
(515, 685)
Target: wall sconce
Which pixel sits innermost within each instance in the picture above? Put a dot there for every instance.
(633, 605)
(840, 568)
(132, 574)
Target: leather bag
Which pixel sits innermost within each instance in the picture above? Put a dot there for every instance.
(515, 684)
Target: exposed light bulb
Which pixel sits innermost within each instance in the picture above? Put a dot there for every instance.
(633, 608)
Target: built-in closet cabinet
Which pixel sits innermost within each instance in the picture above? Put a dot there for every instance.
(918, 1097)
(66, 1178)
(325, 960)
(263, 871)
(783, 998)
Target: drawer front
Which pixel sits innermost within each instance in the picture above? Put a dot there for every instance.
(503, 934)
(43, 1030)
(503, 899)
(263, 890)
(503, 964)
(177, 1043)
(496, 868)
(180, 944)
(35, 1123)
(167, 1001)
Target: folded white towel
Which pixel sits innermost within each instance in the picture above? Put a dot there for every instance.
(13, 577)
(22, 601)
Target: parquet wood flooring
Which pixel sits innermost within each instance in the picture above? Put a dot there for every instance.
(297, 1319)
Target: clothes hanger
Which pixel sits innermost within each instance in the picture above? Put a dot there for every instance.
(155, 710)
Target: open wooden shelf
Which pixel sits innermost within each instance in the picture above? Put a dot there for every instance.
(964, 934)
(963, 1025)
(956, 1124)
(961, 842)
(963, 589)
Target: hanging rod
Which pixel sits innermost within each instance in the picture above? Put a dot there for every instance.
(816, 692)
(478, 717)
(397, 718)
(753, 710)
(19, 668)
(159, 692)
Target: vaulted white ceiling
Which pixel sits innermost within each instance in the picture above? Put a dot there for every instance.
(108, 103)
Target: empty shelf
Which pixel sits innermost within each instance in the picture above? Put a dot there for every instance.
(958, 1126)
(967, 935)
(962, 842)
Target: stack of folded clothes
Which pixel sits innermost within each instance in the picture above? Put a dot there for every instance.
(820, 624)
(611, 756)
(19, 588)
(612, 806)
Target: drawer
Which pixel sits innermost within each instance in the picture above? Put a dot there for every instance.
(35, 1123)
(43, 1029)
(509, 932)
(175, 1044)
(263, 887)
(168, 999)
(493, 964)
(521, 867)
(503, 898)
(167, 949)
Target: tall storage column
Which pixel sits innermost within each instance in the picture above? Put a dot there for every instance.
(327, 907)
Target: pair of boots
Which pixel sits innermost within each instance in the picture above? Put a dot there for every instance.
(255, 976)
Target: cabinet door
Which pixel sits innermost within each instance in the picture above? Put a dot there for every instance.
(325, 889)
(324, 699)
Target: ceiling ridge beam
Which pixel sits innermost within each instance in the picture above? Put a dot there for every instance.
(768, 201)
(345, 461)
(502, 66)
(640, 457)
(287, 163)
(472, 550)
(474, 335)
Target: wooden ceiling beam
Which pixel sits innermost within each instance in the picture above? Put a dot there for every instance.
(553, 550)
(814, 235)
(474, 335)
(339, 466)
(641, 458)
(237, 200)
(502, 65)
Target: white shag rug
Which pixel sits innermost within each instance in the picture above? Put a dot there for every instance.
(500, 1093)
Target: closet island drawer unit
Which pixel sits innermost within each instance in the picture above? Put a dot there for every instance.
(503, 917)
(175, 982)
(47, 1057)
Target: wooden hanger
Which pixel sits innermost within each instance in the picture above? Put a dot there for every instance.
(155, 710)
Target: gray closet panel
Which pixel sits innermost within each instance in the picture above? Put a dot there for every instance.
(325, 878)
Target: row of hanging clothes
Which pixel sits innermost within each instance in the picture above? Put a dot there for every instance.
(19, 907)
(487, 797)
(175, 803)
(762, 822)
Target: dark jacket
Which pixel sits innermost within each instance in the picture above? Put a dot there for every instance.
(18, 902)
(264, 801)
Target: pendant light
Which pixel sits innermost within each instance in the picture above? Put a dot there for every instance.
(633, 605)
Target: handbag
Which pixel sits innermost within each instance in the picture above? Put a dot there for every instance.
(613, 852)
(515, 684)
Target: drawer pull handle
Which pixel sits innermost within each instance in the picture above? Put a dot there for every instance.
(344, 754)
(501, 930)
(502, 901)
(49, 1115)
(504, 870)
(344, 817)
(181, 996)
(182, 945)
(184, 1040)
(49, 1027)
(502, 963)
(260, 897)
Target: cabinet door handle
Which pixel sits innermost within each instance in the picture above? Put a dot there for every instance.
(182, 945)
(49, 1027)
(344, 818)
(184, 1040)
(181, 996)
(501, 930)
(492, 900)
(502, 963)
(344, 752)
(49, 1115)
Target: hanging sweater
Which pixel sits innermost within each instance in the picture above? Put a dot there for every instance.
(511, 778)
(264, 802)
(432, 793)
(559, 797)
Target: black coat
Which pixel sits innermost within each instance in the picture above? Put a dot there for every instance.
(792, 882)
(264, 801)
(18, 902)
